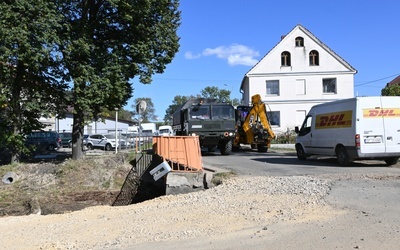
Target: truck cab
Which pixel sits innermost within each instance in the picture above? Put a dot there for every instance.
(212, 122)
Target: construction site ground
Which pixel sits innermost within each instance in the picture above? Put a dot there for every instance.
(68, 206)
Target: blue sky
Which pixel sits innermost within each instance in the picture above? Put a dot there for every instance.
(221, 40)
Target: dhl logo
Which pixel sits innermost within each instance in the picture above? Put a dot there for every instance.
(375, 113)
(341, 119)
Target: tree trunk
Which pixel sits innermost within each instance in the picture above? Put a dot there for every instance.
(77, 135)
(15, 153)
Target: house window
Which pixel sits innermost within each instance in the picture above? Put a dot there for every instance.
(285, 58)
(300, 86)
(314, 58)
(299, 41)
(275, 118)
(329, 86)
(273, 87)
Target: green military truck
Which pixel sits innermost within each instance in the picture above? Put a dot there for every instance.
(212, 122)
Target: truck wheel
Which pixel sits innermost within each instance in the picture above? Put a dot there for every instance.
(226, 148)
(342, 156)
(301, 155)
(262, 148)
(391, 161)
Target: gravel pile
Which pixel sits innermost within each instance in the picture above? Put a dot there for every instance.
(237, 204)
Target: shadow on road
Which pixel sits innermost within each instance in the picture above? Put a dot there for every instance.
(317, 161)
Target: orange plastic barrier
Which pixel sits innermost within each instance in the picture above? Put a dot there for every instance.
(183, 152)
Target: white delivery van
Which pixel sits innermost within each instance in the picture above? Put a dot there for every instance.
(165, 130)
(351, 129)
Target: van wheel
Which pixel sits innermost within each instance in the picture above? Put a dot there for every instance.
(342, 156)
(301, 155)
(391, 161)
(108, 147)
(51, 147)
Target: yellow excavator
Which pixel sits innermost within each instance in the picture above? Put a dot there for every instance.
(252, 126)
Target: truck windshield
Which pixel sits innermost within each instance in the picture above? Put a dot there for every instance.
(199, 113)
(222, 112)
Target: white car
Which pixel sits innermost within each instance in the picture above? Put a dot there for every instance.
(104, 141)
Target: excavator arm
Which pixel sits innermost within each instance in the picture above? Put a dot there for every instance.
(256, 123)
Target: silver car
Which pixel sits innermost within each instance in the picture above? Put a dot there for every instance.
(104, 141)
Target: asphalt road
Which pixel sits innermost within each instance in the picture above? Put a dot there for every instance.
(285, 163)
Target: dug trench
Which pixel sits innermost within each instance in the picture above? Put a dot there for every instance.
(55, 187)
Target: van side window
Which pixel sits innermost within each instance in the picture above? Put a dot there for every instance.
(306, 127)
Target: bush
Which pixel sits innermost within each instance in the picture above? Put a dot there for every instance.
(288, 137)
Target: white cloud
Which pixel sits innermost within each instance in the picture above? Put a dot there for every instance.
(236, 54)
(190, 56)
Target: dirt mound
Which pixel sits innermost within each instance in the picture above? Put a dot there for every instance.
(53, 188)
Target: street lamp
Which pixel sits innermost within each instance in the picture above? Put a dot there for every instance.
(116, 130)
(231, 92)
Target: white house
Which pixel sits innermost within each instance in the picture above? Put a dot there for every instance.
(299, 72)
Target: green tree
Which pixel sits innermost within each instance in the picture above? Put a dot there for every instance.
(147, 115)
(31, 79)
(125, 115)
(236, 102)
(105, 44)
(178, 101)
(391, 90)
(220, 95)
(122, 114)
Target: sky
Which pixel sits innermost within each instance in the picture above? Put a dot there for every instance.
(221, 40)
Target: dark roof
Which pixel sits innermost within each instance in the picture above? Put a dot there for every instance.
(395, 81)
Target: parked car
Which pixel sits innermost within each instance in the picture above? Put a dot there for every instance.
(85, 139)
(49, 140)
(66, 139)
(104, 141)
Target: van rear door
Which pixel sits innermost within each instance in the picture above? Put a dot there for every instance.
(391, 121)
(371, 125)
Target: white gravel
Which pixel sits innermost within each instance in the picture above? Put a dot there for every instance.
(243, 212)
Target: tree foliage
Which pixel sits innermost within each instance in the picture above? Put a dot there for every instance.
(391, 90)
(105, 44)
(220, 95)
(97, 46)
(178, 101)
(31, 76)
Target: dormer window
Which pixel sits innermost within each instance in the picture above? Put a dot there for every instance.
(314, 58)
(299, 41)
(285, 58)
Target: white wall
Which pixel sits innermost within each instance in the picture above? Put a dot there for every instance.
(292, 101)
